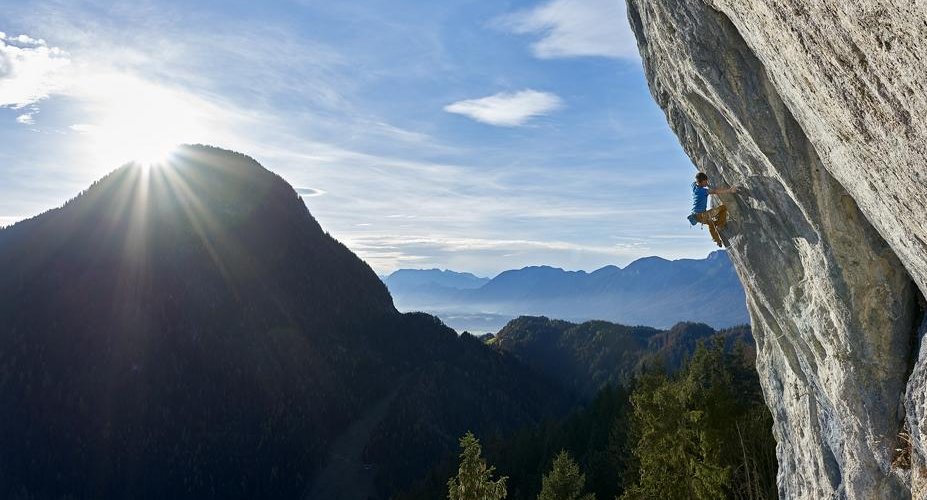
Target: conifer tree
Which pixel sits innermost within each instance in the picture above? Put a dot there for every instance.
(474, 478)
(564, 481)
(703, 433)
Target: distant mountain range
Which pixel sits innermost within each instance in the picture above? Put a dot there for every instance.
(651, 291)
(424, 281)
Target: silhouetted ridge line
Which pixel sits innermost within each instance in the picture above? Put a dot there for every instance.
(584, 358)
(190, 331)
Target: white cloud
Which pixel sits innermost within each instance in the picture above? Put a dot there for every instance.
(29, 70)
(507, 109)
(27, 40)
(26, 118)
(399, 133)
(573, 28)
(83, 128)
(308, 192)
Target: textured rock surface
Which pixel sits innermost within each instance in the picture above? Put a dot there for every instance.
(817, 110)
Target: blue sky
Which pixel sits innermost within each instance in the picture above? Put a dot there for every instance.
(470, 135)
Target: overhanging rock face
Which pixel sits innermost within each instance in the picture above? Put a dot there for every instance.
(818, 112)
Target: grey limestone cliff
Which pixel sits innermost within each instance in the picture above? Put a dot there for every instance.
(817, 110)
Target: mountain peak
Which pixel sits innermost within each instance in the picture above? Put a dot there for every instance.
(427, 278)
(717, 255)
(653, 260)
(193, 321)
(206, 217)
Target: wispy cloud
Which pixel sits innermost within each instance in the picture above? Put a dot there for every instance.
(26, 118)
(386, 253)
(29, 70)
(574, 28)
(310, 192)
(507, 109)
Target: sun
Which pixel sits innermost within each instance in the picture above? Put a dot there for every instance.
(139, 121)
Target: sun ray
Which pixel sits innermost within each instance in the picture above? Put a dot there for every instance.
(207, 230)
(131, 119)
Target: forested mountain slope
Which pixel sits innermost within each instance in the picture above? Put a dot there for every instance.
(189, 331)
(584, 358)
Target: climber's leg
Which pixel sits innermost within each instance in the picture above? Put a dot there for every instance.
(707, 218)
(721, 217)
(714, 233)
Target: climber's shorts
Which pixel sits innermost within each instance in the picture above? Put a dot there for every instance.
(717, 215)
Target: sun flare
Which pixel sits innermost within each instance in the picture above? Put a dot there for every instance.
(140, 121)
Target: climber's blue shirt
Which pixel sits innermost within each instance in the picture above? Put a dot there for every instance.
(699, 199)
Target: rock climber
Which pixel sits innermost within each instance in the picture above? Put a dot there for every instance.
(715, 218)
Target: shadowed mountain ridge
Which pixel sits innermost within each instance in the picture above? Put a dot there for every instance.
(188, 330)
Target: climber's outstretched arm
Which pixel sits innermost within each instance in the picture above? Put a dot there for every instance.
(730, 190)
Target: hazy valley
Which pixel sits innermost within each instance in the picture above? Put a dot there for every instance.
(651, 291)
